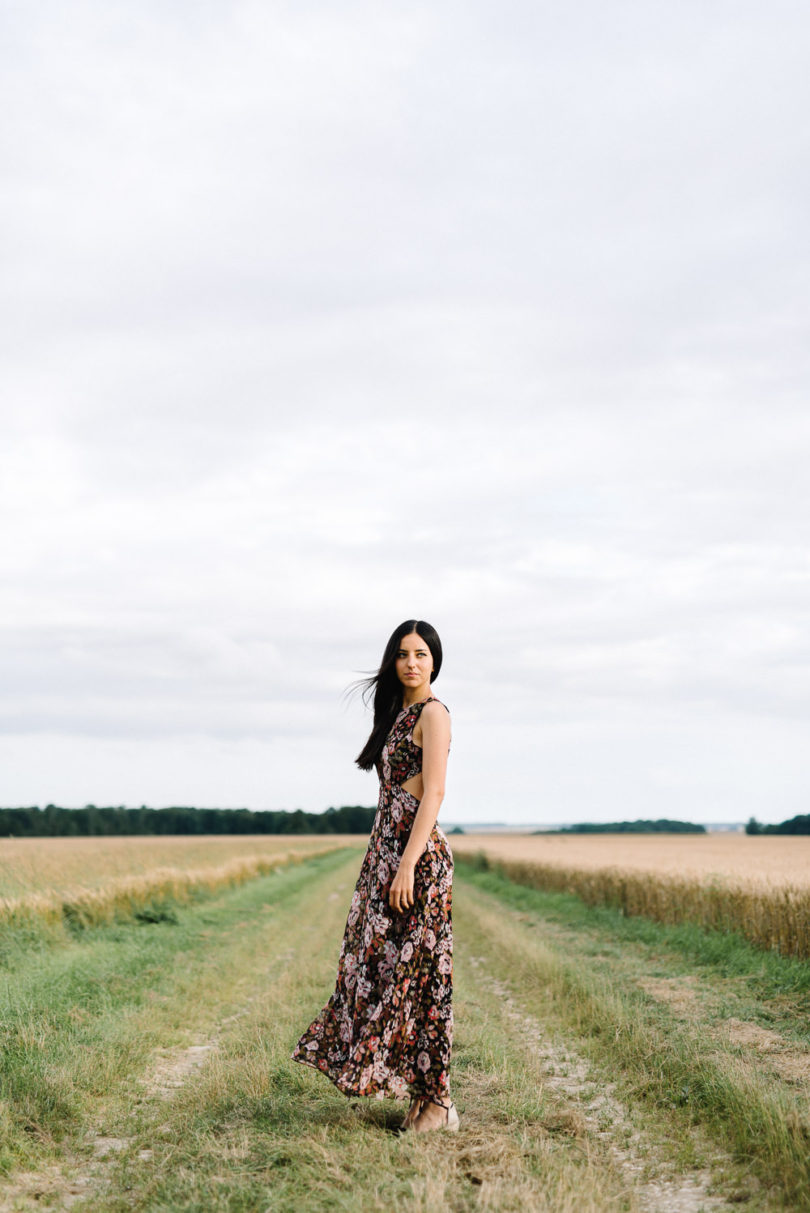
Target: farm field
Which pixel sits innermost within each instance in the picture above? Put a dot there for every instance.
(723, 882)
(52, 865)
(601, 1062)
(765, 860)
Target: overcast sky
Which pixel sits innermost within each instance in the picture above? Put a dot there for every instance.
(320, 316)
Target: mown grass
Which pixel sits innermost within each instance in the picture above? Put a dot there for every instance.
(577, 968)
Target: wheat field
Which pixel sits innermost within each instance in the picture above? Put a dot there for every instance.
(69, 884)
(764, 860)
(57, 865)
(756, 887)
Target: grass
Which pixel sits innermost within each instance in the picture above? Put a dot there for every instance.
(256, 1136)
(581, 968)
(79, 1020)
(103, 1035)
(90, 1025)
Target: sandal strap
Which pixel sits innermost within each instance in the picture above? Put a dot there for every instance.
(438, 1102)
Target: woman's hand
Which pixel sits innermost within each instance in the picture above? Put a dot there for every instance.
(401, 896)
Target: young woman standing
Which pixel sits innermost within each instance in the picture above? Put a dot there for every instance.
(388, 1027)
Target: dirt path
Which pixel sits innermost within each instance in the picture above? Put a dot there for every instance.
(603, 1117)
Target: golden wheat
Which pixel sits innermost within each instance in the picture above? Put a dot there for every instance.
(47, 865)
(767, 861)
(126, 897)
(763, 905)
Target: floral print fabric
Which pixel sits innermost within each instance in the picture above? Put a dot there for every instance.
(388, 1027)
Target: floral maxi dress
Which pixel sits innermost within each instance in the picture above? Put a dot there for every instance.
(388, 1027)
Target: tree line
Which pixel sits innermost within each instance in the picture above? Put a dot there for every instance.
(55, 822)
(660, 826)
(796, 825)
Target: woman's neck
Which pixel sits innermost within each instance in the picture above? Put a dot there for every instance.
(416, 694)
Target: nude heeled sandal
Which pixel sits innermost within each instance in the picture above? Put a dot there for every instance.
(452, 1120)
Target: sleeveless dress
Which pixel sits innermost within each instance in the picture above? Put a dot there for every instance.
(387, 1030)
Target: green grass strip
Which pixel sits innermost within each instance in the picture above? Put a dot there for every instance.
(661, 1061)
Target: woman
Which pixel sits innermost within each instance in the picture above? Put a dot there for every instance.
(388, 1027)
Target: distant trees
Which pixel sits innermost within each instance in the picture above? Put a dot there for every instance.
(796, 825)
(56, 822)
(660, 826)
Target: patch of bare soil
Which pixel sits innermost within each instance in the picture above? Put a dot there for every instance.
(600, 1114)
(770, 1049)
(171, 1070)
(788, 1060)
(59, 1187)
(679, 993)
(49, 1188)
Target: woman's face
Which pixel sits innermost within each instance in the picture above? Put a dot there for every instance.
(414, 662)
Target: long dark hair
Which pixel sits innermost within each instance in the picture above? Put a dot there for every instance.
(387, 689)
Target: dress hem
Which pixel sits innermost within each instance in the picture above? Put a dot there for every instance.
(381, 1092)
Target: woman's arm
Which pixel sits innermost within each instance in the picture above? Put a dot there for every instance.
(435, 721)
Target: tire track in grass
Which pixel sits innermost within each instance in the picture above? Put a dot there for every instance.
(81, 1176)
(676, 1014)
(659, 1184)
(603, 1116)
